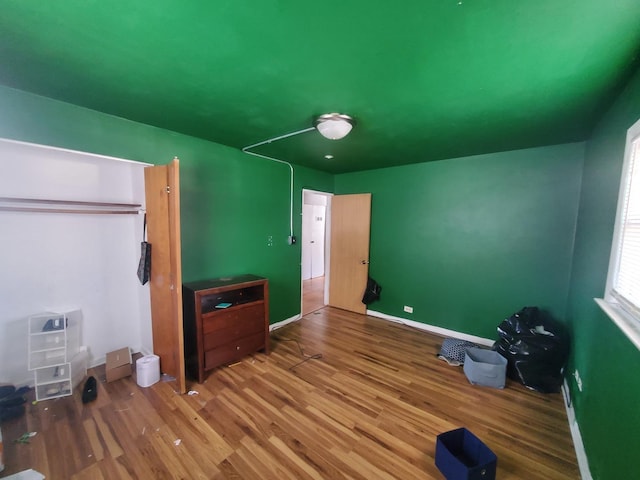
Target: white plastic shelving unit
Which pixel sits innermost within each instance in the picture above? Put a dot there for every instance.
(55, 355)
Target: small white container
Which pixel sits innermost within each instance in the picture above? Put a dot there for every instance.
(148, 370)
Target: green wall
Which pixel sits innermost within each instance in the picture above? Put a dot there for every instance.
(468, 241)
(607, 408)
(230, 202)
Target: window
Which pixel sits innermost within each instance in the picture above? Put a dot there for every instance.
(622, 295)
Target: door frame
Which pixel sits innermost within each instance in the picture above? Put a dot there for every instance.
(327, 243)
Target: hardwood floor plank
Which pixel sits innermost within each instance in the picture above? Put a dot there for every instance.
(347, 434)
(270, 467)
(368, 405)
(92, 472)
(302, 466)
(243, 464)
(252, 421)
(228, 472)
(362, 465)
(94, 441)
(149, 462)
(330, 437)
(321, 461)
(377, 439)
(228, 425)
(386, 460)
(217, 447)
(177, 459)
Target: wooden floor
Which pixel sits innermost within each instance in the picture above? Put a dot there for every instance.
(369, 408)
(312, 295)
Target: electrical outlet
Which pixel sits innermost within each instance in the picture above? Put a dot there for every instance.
(408, 309)
(576, 375)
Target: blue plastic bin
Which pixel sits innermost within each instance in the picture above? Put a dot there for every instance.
(460, 455)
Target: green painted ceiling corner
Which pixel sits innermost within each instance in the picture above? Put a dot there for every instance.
(504, 75)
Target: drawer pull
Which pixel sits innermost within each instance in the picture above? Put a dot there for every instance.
(238, 348)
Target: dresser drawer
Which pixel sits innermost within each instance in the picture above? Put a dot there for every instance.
(230, 334)
(225, 319)
(233, 351)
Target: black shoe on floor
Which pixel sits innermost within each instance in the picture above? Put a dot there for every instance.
(90, 390)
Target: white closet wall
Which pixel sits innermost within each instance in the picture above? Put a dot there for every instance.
(67, 261)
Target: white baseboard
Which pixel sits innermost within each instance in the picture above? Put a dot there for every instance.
(421, 326)
(97, 361)
(26, 382)
(581, 454)
(101, 360)
(445, 332)
(286, 321)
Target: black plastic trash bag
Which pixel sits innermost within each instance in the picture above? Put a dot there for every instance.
(372, 292)
(536, 348)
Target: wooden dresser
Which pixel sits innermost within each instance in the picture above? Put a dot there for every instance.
(225, 319)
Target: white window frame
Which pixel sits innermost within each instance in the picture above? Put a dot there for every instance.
(624, 313)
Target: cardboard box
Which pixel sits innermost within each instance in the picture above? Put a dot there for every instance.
(118, 364)
(485, 367)
(460, 455)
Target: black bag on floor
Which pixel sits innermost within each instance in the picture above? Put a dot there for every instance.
(372, 292)
(536, 348)
(12, 402)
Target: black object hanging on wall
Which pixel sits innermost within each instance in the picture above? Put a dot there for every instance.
(144, 267)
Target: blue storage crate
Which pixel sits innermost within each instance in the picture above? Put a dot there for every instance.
(460, 455)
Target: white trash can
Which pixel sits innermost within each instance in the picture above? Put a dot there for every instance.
(148, 370)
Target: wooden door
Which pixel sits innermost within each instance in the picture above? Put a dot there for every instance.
(349, 264)
(163, 232)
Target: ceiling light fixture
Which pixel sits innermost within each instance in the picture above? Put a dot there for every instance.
(331, 125)
(334, 126)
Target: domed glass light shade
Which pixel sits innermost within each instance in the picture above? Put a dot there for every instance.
(334, 126)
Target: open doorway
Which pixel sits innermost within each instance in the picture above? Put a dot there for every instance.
(316, 212)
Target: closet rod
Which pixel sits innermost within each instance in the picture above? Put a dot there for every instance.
(43, 201)
(100, 208)
(63, 210)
